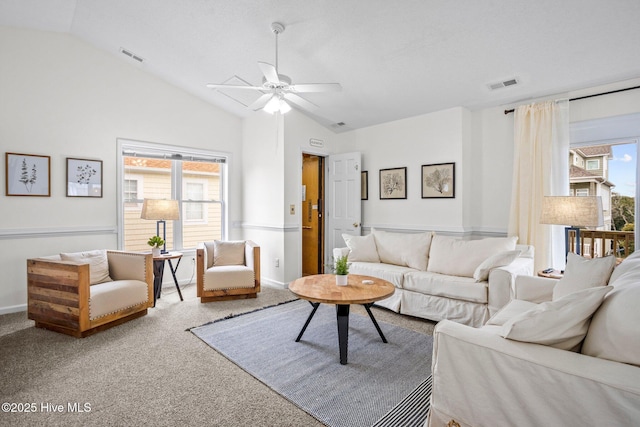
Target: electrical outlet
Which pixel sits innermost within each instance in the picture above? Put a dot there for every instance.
(292, 209)
(277, 262)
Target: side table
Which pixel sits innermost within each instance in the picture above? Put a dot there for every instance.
(555, 274)
(158, 273)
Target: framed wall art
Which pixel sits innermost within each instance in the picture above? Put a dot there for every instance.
(393, 183)
(438, 181)
(364, 185)
(27, 175)
(84, 178)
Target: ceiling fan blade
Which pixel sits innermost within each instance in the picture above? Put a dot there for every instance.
(269, 72)
(301, 102)
(316, 87)
(260, 102)
(217, 86)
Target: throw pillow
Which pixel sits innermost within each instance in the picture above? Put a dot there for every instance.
(456, 257)
(494, 261)
(361, 248)
(511, 310)
(583, 273)
(613, 333)
(562, 323)
(98, 264)
(228, 253)
(404, 249)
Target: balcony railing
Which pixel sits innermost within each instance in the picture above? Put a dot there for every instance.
(599, 243)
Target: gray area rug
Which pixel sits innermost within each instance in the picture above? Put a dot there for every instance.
(377, 380)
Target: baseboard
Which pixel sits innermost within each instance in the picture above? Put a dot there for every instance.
(273, 283)
(13, 309)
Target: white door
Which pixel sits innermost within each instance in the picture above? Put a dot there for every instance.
(343, 199)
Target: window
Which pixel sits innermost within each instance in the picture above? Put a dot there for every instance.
(193, 177)
(581, 192)
(593, 164)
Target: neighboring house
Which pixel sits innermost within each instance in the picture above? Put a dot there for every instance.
(589, 176)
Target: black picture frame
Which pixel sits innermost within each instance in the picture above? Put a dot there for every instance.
(438, 181)
(84, 178)
(364, 185)
(393, 183)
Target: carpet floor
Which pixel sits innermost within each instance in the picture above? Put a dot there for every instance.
(308, 373)
(148, 371)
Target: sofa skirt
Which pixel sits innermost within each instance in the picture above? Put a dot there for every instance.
(434, 307)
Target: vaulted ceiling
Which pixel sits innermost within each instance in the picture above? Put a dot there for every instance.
(394, 59)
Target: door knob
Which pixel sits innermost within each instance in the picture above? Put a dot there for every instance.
(355, 225)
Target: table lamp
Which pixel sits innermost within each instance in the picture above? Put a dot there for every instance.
(160, 210)
(574, 212)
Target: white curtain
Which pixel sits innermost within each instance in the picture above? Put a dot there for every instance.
(540, 168)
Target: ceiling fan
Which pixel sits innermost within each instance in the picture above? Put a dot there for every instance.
(279, 88)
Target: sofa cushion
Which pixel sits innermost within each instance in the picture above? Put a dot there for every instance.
(98, 264)
(391, 273)
(405, 249)
(583, 273)
(361, 248)
(562, 323)
(462, 257)
(481, 274)
(613, 333)
(108, 297)
(228, 253)
(509, 311)
(456, 287)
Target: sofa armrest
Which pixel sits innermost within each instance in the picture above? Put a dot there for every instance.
(502, 282)
(252, 259)
(534, 289)
(340, 252)
(536, 384)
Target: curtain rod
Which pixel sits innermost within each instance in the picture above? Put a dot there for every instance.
(589, 96)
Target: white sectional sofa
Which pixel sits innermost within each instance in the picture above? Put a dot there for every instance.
(439, 277)
(557, 355)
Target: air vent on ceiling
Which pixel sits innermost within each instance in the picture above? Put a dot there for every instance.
(339, 124)
(502, 84)
(131, 55)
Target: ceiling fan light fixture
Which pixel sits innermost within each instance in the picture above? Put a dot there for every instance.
(272, 105)
(284, 107)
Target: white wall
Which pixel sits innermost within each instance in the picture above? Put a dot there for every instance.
(438, 137)
(61, 97)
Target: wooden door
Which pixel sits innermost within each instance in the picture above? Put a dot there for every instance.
(312, 215)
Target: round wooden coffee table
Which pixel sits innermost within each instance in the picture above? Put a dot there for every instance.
(322, 289)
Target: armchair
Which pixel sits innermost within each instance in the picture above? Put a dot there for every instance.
(82, 293)
(227, 270)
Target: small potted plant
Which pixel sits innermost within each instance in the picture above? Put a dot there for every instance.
(155, 242)
(341, 268)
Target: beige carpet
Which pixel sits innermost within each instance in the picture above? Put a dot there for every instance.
(147, 371)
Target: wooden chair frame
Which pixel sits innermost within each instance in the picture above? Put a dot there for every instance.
(58, 294)
(226, 294)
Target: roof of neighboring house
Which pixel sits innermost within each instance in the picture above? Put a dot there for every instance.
(596, 150)
(578, 174)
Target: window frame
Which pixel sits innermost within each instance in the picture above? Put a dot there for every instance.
(181, 153)
(586, 164)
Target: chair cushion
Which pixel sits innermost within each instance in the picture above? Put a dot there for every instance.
(391, 273)
(583, 273)
(458, 257)
(562, 323)
(98, 264)
(494, 261)
(404, 249)
(228, 277)
(228, 253)
(108, 297)
(613, 333)
(361, 248)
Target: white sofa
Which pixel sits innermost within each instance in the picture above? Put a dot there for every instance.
(532, 378)
(439, 277)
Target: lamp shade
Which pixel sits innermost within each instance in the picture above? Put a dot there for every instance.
(160, 209)
(574, 211)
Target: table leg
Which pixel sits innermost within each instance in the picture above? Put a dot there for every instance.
(315, 306)
(373, 319)
(175, 279)
(342, 312)
(158, 272)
